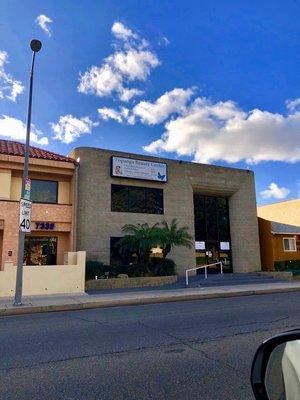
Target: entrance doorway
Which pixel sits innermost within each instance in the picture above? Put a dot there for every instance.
(212, 232)
(40, 250)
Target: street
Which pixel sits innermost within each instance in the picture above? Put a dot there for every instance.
(186, 350)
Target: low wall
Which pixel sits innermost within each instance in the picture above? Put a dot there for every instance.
(285, 275)
(117, 283)
(47, 279)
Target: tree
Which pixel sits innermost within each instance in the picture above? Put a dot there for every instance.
(171, 236)
(139, 239)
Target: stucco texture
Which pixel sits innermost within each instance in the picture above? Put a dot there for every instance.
(96, 222)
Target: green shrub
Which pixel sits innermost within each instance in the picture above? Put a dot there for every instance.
(287, 265)
(165, 268)
(93, 268)
(97, 268)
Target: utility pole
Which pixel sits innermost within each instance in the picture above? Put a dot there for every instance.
(25, 203)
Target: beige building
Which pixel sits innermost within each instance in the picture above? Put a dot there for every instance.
(285, 212)
(217, 205)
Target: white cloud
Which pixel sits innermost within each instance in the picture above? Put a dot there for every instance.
(127, 94)
(164, 41)
(274, 191)
(134, 64)
(132, 61)
(69, 128)
(169, 103)
(43, 21)
(120, 31)
(15, 129)
(122, 116)
(101, 81)
(292, 104)
(9, 87)
(222, 131)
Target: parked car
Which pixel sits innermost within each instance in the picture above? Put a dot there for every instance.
(275, 373)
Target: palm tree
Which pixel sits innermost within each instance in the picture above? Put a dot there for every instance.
(171, 236)
(139, 239)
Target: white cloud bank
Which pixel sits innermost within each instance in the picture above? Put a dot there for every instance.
(215, 131)
(15, 129)
(10, 88)
(218, 131)
(151, 113)
(43, 21)
(132, 61)
(274, 191)
(69, 128)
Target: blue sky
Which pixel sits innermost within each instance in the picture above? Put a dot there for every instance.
(210, 81)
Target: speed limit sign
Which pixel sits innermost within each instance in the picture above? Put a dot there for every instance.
(25, 215)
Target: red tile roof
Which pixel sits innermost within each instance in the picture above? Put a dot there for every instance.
(18, 149)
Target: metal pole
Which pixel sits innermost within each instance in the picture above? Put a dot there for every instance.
(19, 278)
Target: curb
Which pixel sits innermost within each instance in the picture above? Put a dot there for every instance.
(31, 309)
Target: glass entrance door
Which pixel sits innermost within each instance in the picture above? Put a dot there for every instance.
(40, 250)
(212, 231)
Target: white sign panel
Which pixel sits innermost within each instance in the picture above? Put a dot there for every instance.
(139, 169)
(200, 245)
(224, 246)
(25, 215)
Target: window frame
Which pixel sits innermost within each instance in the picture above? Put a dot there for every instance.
(146, 189)
(289, 239)
(45, 180)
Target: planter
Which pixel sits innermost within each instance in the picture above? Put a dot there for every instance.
(117, 283)
(284, 275)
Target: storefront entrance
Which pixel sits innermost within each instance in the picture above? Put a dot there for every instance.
(212, 233)
(40, 250)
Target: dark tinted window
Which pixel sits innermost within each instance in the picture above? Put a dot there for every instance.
(211, 218)
(136, 199)
(43, 191)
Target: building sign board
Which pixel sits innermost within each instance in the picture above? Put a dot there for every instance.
(224, 246)
(25, 215)
(138, 169)
(199, 245)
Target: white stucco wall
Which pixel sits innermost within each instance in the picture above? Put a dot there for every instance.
(51, 279)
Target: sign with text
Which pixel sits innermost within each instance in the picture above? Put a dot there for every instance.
(47, 226)
(199, 245)
(27, 189)
(138, 169)
(224, 246)
(25, 215)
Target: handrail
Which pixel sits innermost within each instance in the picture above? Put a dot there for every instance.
(201, 266)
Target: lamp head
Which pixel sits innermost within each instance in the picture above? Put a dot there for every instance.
(35, 45)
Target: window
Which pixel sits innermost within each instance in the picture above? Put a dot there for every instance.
(136, 199)
(289, 244)
(40, 250)
(44, 191)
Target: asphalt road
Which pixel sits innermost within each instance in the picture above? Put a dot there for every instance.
(185, 350)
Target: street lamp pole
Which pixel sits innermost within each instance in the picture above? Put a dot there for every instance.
(35, 46)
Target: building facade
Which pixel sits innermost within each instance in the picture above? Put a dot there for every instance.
(278, 243)
(216, 204)
(53, 195)
(279, 232)
(285, 212)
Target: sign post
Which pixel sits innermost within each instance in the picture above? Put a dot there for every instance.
(25, 203)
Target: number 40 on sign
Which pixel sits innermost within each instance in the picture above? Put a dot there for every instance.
(25, 215)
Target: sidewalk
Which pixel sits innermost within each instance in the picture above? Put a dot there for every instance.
(80, 301)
